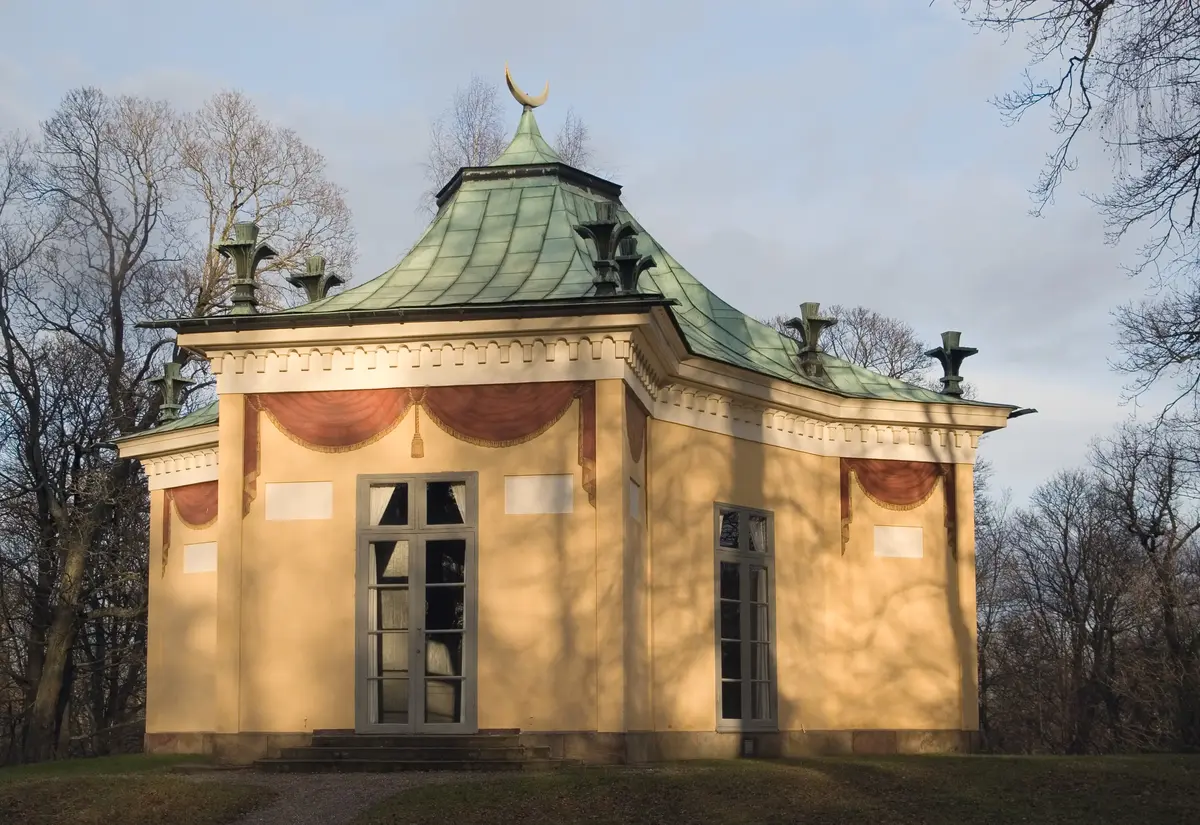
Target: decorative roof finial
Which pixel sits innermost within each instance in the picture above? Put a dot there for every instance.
(606, 232)
(525, 100)
(950, 355)
(169, 384)
(630, 265)
(810, 325)
(315, 283)
(247, 253)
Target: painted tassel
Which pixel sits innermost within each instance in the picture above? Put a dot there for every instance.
(418, 443)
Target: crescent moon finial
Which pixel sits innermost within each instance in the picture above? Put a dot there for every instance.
(525, 100)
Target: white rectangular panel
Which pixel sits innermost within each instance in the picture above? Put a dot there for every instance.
(299, 501)
(899, 542)
(200, 558)
(536, 495)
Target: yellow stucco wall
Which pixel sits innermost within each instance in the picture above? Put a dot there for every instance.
(537, 594)
(862, 642)
(593, 620)
(182, 631)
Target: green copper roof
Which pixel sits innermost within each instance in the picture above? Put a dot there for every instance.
(201, 417)
(507, 238)
(528, 146)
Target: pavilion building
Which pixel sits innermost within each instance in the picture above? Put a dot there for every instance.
(537, 477)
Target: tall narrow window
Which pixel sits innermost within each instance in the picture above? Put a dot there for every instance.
(745, 620)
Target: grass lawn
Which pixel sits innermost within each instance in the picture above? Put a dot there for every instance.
(130, 790)
(926, 790)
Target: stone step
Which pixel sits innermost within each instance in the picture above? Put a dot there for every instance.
(415, 754)
(401, 740)
(490, 732)
(394, 766)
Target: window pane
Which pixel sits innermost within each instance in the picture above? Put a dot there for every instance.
(731, 660)
(729, 529)
(760, 661)
(391, 562)
(731, 700)
(760, 623)
(389, 504)
(760, 700)
(758, 585)
(444, 608)
(758, 533)
(446, 502)
(445, 560)
(391, 609)
(391, 654)
(731, 620)
(393, 701)
(443, 654)
(731, 580)
(443, 700)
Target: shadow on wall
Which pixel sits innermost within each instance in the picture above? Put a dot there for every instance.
(846, 654)
(861, 642)
(181, 645)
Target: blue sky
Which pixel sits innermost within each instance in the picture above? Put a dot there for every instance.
(841, 151)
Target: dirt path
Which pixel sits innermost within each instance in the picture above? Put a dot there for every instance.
(328, 798)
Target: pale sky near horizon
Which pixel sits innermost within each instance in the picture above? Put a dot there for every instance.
(842, 151)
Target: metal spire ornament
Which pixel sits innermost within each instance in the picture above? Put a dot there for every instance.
(170, 383)
(810, 325)
(247, 253)
(526, 101)
(606, 232)
(315, 283)
(630, 265)
(950, 355)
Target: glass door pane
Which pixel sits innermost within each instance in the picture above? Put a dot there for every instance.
(444, 632)
(744, 654)
(388, 505)
(446, 502)
(390, 592)
(760, 645)
(731, 640)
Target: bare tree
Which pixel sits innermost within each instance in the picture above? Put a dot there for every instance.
(872, 340)
(105, 220)
(574, 142)
(993, 545)
(235, 166)
(1127, 72)
(1151, 484)
(475, 130)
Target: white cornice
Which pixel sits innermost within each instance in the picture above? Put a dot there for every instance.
(643, 350)
(706, 409)
(175, 457)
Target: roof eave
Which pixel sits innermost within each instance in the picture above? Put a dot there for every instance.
(569, 174)
(449, 312)
(152, 443)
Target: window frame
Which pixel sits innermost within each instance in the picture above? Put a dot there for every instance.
(417, 532)
(417, 505)
(745, 558)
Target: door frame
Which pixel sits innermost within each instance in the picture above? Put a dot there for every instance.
(416, 532)
(745, 559)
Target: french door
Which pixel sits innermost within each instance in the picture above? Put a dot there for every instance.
(416, 600)
(745, 619)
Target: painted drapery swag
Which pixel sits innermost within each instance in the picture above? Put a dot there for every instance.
(488, 415)
(898, 485)
(196, 506)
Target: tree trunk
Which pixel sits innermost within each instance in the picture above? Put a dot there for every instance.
(45, 715)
